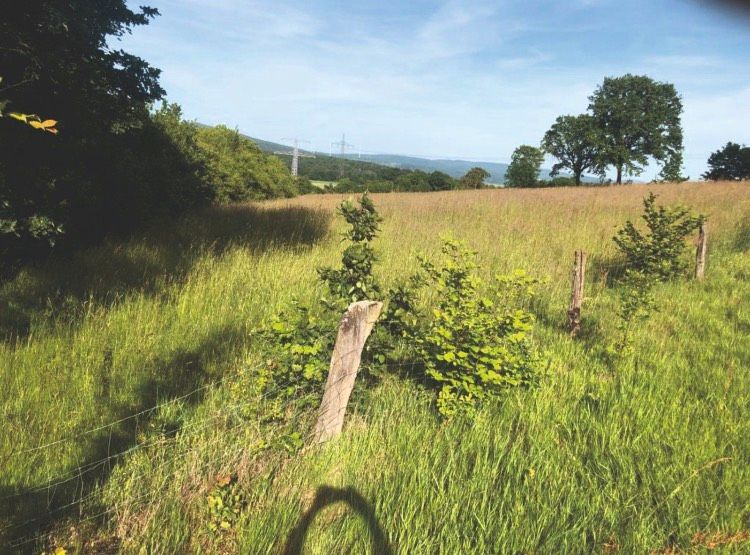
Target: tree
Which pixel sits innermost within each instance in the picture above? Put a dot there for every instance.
(473, 179)
(524, 168)
(638, 118)
(440, 181)
(575, 142)
(729, 163)
(56, 56)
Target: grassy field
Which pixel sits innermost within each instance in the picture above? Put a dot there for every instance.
(652, 457)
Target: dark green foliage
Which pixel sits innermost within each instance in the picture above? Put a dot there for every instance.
(415, 181)
(474, 179)
(110, 168)
(305, 186)
(331, 168)
(575, 141)
(354, 280)
(658, 252)
(730, 163)
(524, 167)
(476, 345)
(440, 181)
(638, 118)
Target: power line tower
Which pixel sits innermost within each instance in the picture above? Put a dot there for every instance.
(341, 144)
(296, 155)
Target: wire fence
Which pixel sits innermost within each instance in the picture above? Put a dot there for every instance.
(84, 474)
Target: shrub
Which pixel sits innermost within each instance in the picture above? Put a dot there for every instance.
(354, 281)
(658, 252)
(476, 345)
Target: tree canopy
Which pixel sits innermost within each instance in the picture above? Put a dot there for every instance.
(638, 118)
(55, 58)
(524, 167)
(473, 179)
(729, 163)
(575, 141)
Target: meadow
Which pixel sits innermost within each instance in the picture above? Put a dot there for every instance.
(648, 457)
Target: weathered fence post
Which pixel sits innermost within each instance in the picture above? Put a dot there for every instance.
(576, 295)
(355, 327)
(700, 253)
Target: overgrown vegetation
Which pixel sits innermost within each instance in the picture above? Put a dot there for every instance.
(647, 458)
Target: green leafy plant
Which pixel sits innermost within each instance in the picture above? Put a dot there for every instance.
(477, 344)
(354, 281)
(225, 503)
(658, 252)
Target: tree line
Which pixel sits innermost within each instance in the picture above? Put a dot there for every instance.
(630, 120)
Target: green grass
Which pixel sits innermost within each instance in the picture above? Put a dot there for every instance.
(651, 457)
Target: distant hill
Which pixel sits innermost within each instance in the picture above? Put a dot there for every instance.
(454, 168)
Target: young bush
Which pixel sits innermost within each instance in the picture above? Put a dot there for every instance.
(659, 251)
(354, 280)
(476, 345)
(299, 342)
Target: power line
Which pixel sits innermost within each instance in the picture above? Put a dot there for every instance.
(342, 144)
(296, 153)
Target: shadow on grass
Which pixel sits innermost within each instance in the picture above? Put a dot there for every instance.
(165, 253)
(326, 496)
(34, 510)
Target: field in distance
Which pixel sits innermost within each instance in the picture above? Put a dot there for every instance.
(652, 459)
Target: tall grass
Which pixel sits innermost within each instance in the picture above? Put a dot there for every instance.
(649, 457)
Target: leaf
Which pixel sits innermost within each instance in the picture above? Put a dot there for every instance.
(36, 124)
(49, 123)
(224, 480)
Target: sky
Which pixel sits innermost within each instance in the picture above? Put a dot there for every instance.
(445, 78)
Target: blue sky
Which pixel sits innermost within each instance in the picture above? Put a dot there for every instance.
(463, 79)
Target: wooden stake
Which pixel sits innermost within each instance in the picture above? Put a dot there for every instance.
(576, 295)
(355, 327)
(700, 253)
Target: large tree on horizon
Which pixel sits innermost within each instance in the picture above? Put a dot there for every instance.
(575, 141)
(639, 118)
(731, 163)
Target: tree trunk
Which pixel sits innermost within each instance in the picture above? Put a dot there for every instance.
(619, 175)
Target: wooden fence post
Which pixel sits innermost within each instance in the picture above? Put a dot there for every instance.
(576, 295)
(700, 253)
(355, 327)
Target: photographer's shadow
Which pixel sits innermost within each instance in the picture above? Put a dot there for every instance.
(325, 496)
